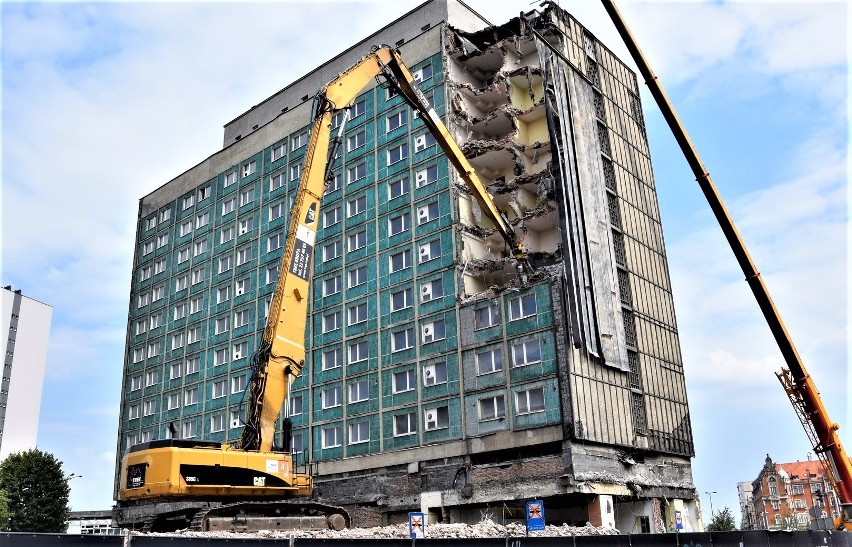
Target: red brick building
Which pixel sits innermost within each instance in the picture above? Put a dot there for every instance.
(784, 493)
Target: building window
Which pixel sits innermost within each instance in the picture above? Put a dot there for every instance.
(331, 322)
(434, 374)
(174, 371)
(165, 215)
(192, 365)
(402, 340)
(193, 335)
(398, 188)
(174, 401)
(136, 383)
(223, 294)
(400, 261)
(359, 391)
(526, 353)
(776, 504)
(298, 141)
(188, 202)
(278, 152)
(296, 405)
(331, 217)
(202, 220)
(249, 168)
(423, 73)
(331, 286)
(133, 412)
(181, 283)
(332, 359)
(433, 331)
(356, 141)
(359, 432)
(244, 255)
(427, 213)
(404, 381)
(492, 408)
(151, 223)
(151, 378)
(219, 389)
(185, 228)
(275, 242)
(399, 224)
(217, 422)
(190, 430)
(222, 325)
(396, 120)
(201, 247)
(800, 504)
(358, 241)
(238, 384)
(356, 277)
(149, 407)
(276, 211)
(331, 437)
(424, 141)
(431, 290)
(276, 182)
(486, 317)
(246, 196)
(190, 396)
(178, 340)
(295, 171)
(357, 313)
(436, 418)
(356, 206)
(156, 320)
(530, 400)
(241, 286)
(153, 349)
(397, 153)
(426, 176)
(147, 248)
(183, 255)
(358, 172)
(798, 489)
(246, 225)
(240, 350)
(430, 250)
(235, 419)
(333, 184)
(241, 318)
(522, 306)
(225, 264)
(230, 179)
(141, 327)
(331, 397)
(777, 519)
(162, 239)
(400, 299)
(489, 361)
(272, 275)
(195, 304)
(358, 352)
(143, 300)
(198, 275)
(357, 109)
(220, 357)
(405, 424)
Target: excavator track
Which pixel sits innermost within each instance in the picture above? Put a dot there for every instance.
(249, 516)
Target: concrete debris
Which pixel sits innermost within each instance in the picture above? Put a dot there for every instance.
(484, 529)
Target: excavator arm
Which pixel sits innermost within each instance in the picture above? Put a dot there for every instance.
(281, 355)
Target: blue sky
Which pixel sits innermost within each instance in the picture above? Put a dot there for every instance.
(104, 102)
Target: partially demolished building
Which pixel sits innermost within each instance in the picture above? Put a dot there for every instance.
(441, 375)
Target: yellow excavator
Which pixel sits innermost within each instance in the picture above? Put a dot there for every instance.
(173, 483)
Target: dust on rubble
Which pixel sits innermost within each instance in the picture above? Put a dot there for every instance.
(484, 529)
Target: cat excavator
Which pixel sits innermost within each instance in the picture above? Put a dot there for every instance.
(171, 484)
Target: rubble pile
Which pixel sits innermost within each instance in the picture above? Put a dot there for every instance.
(484, 529)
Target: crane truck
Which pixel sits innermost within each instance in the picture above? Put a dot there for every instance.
(174, 483)
(797, 382)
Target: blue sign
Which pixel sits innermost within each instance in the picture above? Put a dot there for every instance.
(678, 521)
(535, 516)
(416, 525)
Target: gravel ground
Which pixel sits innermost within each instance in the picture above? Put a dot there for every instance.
(484, 529)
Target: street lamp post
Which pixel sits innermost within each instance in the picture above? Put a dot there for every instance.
(711, 503)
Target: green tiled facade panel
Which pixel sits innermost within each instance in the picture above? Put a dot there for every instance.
(231, 236)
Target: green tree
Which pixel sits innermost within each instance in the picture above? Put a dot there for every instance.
(37, 492)
(723, 521)
(4, 510)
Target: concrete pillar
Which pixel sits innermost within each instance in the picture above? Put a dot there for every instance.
(602, 511)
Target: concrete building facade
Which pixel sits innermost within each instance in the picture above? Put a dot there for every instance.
(789, 496)
(27, 324)
(439, 375)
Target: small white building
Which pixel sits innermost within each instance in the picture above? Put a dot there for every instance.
(92, 523)
(27, 324)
